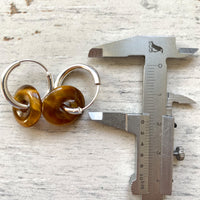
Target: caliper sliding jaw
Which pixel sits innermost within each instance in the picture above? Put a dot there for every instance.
(154, 127)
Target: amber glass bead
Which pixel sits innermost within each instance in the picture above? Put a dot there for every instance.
(28, 95)
(54, 103)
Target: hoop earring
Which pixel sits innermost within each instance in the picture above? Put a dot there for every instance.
(65, 103)
(27, 104)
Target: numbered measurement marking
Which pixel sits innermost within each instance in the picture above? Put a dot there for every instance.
(140, 181)
(143, 155)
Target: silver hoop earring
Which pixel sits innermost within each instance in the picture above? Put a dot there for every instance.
(64, 104)
(27, 104)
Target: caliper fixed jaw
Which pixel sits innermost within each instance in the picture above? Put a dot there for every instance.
(135, 46)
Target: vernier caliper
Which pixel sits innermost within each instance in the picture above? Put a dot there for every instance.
(154, 127)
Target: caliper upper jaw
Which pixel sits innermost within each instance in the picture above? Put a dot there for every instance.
(176, 98)
(121, 48)
(183, 52)
(135, 46)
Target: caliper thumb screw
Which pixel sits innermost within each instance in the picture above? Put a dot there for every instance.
(179, 153)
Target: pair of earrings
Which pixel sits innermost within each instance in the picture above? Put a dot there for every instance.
(62, 104)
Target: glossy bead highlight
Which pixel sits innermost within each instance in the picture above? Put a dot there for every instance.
(54, 103)
(28, 95)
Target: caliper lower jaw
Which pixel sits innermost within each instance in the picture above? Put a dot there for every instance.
(137, 124)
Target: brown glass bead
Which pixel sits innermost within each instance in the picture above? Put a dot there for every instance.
(28, 95)
(54, 103)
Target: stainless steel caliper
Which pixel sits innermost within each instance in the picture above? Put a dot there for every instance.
(154, 127)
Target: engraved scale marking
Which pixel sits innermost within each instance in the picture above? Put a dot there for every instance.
(150, 105)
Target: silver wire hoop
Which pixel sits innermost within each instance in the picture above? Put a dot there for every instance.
(4, 83)
(61, 77)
